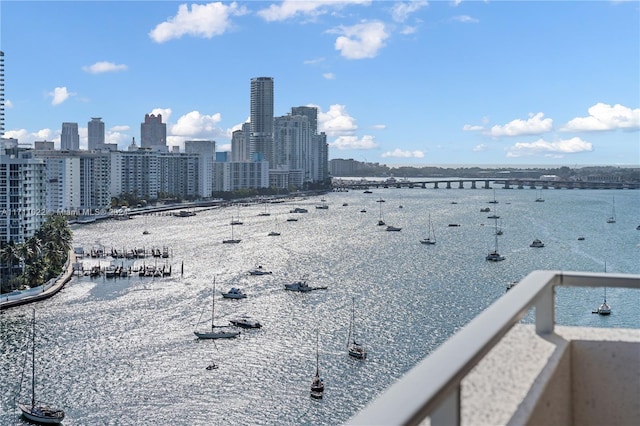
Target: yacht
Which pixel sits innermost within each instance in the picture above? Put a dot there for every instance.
(300, 285)
(234, 293)
(245, 322)
(258, 270)
(392, 228)
(536, 243)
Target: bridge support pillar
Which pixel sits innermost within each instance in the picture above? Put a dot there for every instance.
(448, 185)
(473, 184)
(435, 185)
(460, 185)
(507, 184)
(424, 185)
(486, 185)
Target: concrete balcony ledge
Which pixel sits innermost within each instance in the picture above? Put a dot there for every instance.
(581, 376)
(497, 371)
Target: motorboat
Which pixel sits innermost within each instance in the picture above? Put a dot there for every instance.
(299, 210)
(392, 228)
(259, 270)
(245, 322)
(494, 256)
(536, 243)
(485, 210)
(511, 285)
(300, 285)
(234, 293)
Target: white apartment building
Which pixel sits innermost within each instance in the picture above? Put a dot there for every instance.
(135, 172)
(22, 192)
(206, 150)
(231, 176)
(62, 177)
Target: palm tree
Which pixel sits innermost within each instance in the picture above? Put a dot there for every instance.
(9, 257)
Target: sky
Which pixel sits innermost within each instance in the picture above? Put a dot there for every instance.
(395, 82)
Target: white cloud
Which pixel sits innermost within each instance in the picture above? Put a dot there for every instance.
(225, 147)
(313, 61)
(8, 103)
(312, 8)
(336, 121)
(556, 149)
(120, 128)
(535, 125)
(465, 19)
(59, 95)
(24, 137)
(352, 142)
(100, 67)
(472, 128)
(195, 124)
(379, 126)
(606, 117)
(361, 41)
(398, 153)
(206, 20)
(408, 30)
(401, 11)
(329, 76)
(480, 148)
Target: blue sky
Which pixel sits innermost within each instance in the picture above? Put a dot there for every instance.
(413, 82)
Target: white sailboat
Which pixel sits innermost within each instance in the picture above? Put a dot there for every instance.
(612, 218)
(36, 411)
(604, 308)
(146, 230)
(355, 349)
(232, 240)
(431, 234)
(275, 232)
(236, 221)
(217, 331)
(494, 255)
(317, 384)
(380, 220)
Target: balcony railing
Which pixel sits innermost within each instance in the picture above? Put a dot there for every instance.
(438, 377)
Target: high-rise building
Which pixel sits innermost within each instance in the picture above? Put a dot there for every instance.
(206, 151)
(70, 138)
(1, 94)
(153, 133)
(261, 116)
(95, 132)
(22, 192)
(312, 115)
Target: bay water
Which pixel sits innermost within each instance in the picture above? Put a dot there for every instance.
(122, 351)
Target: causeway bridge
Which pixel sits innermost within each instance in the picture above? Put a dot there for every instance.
(339, 185)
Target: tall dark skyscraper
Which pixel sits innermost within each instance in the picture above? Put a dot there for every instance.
(261, 136)
(69, 138)
(95, 134)
(153, 133)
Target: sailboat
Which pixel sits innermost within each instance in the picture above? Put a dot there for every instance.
(275, 232)
(265, 212)
(431, 236)
(236, 221)
(34, 410)
(494, 256)
(604, 308)
(217, 331)
(232, 240)
(317, 385)
(146, 231)
(612, 218)
(355, 349)
(380, 220)
(540, 198)
(494, 201)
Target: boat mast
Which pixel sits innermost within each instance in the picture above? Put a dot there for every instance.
(213, 300)
(33, 361)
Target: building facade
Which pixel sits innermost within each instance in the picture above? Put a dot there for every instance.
(206, 151)
(261, 116)
(70, 138)
(95, 134)
(22, 192)
(153, 133)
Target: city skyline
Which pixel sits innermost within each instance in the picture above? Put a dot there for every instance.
(410, 83)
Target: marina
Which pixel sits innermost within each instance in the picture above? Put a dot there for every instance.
(407, 293)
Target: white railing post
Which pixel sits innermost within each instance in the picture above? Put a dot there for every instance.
(545, 310)
(448, 412)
